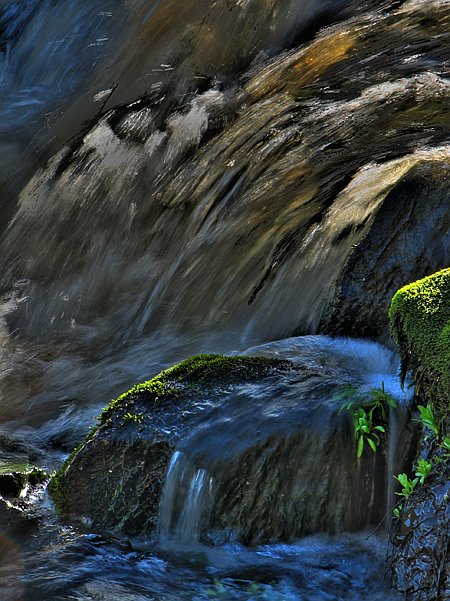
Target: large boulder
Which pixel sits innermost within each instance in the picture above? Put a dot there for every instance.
(408, 238)
(251, 447)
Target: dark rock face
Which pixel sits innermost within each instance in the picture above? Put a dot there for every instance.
(15, 521)
(17, 482)
(421, 563)
(409, 238)
(127, 457)
(116, 485)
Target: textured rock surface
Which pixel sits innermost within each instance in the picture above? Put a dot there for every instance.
(18, 482)
(421, 562)
(409, 237)
(114, 480)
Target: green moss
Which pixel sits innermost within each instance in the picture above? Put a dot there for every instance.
(54, 486)
(420, 324)
(198, 375)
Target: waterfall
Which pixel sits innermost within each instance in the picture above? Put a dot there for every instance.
(180, 177)
(185, 501)
(223, 208)
(281, 454)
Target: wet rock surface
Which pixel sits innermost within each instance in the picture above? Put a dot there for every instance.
(419, 317)
(127, 457)
(409, 237)
(19, 482)
(421, 561)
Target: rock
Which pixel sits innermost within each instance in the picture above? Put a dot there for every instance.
(420, 323)
(127, 456)
(17, 483)
(16, 479)
(15, 520)
(261, 452)
(421, 562)
(408, 238)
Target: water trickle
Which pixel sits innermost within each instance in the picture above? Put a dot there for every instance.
(397, 422)
(185, 501)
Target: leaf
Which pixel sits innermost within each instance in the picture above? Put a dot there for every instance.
(402, 478)
(380, 428)
(372, 445)
(360, 447)
(427, 418)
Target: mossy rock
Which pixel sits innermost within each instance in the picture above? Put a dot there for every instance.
(263, 439)
(420, 324)
(15, 478)
(113, 479)
(196, 376)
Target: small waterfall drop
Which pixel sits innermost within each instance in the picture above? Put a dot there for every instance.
(185, 501)
(397, 423)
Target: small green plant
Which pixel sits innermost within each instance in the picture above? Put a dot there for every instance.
(427, 419)
(382, 399)
(365, 430)
(423, 470)
(363, 408)
(397, 511)
(407, 484)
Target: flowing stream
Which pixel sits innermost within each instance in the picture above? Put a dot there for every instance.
(185, 177)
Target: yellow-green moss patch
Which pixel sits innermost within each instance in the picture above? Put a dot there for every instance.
(197, 375)
(420, 324)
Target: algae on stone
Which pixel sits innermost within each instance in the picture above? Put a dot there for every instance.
(197, 374)
(420, 324)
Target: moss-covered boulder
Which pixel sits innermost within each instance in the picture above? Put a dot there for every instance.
(420, 323)
(113, 480)
(253, 447)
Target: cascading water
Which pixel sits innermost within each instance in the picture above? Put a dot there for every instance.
(186, 495)
(183, 177)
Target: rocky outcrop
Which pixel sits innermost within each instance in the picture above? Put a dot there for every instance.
(114, 478)
(421, 560)
(420, 320)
